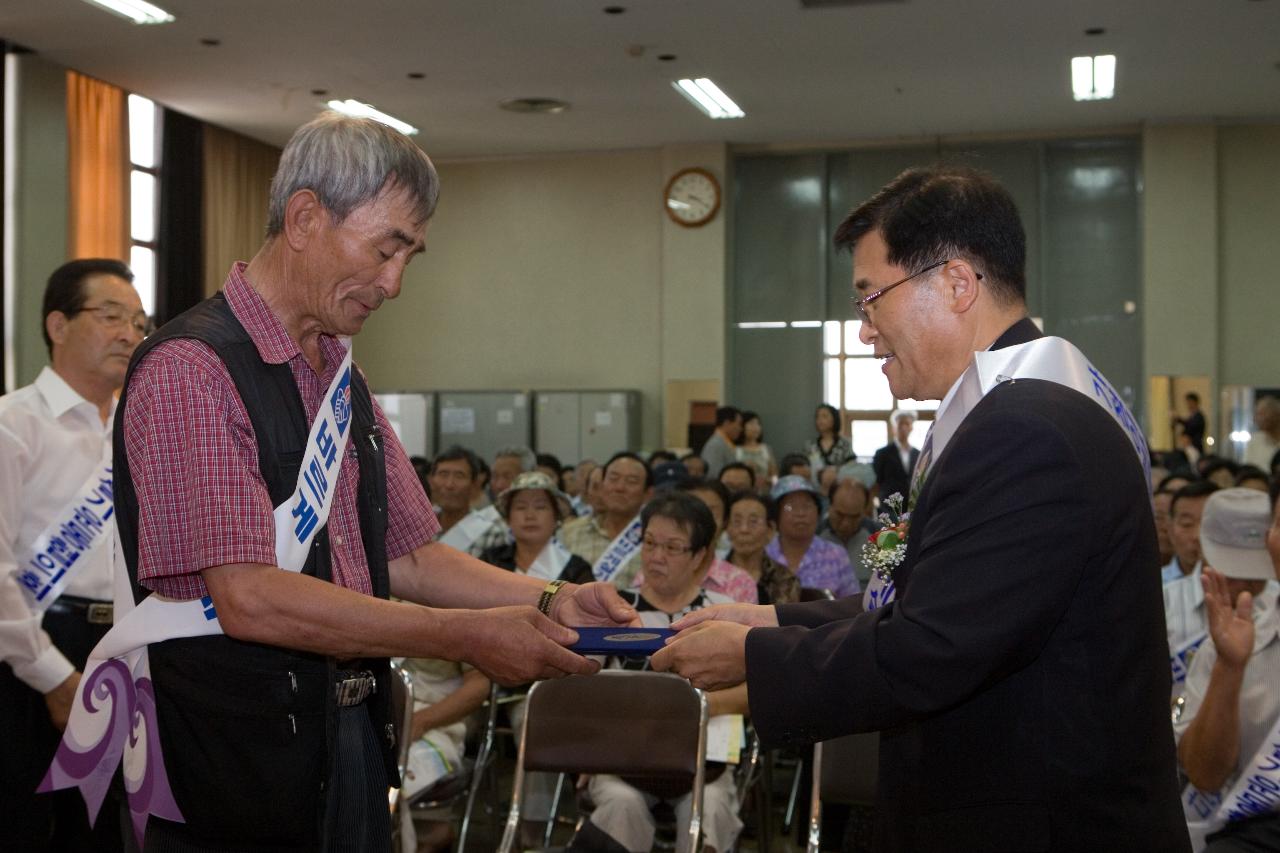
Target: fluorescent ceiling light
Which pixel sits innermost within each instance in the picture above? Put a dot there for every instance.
(806, 324)
(353, 107)
(138, 11)
(767, 324)
(708, 97)
(1093, 78)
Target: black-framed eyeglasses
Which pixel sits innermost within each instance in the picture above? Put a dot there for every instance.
(860, 305)
(116, 316)
(671, 547)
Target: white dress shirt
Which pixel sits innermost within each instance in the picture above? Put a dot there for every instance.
(51, 441)
(1184, 608)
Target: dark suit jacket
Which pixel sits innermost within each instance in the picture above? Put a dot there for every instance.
(1021, 679)
(890, 475)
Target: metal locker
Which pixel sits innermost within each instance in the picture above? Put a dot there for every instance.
(483, 421)
(412, 416)
(557, 424)
(610, 422)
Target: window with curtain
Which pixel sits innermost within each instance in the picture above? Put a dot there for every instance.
(144, 194)
(97, 169)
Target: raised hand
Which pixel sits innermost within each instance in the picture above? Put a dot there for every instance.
(1230, 624)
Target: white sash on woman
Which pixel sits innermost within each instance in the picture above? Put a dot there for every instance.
(61, 550)
(114, 714)
(1049, 358)
(550, 562)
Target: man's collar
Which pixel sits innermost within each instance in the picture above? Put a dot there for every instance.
(60, 397)
(1021, 332)
(269, 335)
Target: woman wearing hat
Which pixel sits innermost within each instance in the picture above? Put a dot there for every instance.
(533, 508)
(818, 564)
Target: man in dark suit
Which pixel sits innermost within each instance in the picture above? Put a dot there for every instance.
(894, 462)
(1020, 679)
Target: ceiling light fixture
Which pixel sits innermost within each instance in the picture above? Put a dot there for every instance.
(355, 108)
(1093, 78)
(138, 11)
(708, 97)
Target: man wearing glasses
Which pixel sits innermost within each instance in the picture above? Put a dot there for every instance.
(1014, 658)
(55, 590)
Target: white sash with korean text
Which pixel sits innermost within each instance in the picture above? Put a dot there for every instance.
(473, 525)
(83, 527)
(113, 716)
(1255, 792)
(620, 550)
(1180, 660)
(1049, 358)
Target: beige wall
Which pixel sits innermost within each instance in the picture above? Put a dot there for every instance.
(558, 272)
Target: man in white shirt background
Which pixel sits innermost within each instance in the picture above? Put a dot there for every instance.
(55, 439)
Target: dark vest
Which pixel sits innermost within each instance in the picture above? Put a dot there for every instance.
(246, 729)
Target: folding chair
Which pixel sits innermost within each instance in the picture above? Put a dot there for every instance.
(845, 770)
(638, 724)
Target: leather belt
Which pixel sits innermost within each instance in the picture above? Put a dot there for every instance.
(93, 612)
(352, 688)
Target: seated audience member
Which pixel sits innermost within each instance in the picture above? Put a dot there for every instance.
(609, 539)
(723, 577)
(569, 484)
(1184, 594)
(451, 480)
(667, 474)
(582, 476)
(445, 694)
(548, 464)
(737, 477)
(533, 508)
(1158, 472)
(816, 562)
(830, 448)
(848, 524)
(721, 448)
(1161, 502)
(1264, 441)
(422, 467)
(1252, 477)
(1177, 478)
(658, 457)
(593, 492)
(827, 478)
(753, 522)
(753, 451)
(508, 464)
(480, 486)
(1217, 470)
(1226, 722)
(694, 465)
(795, 465)
(678, 534)
(894, 462)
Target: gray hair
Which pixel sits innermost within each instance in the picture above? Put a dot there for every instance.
(899, 414)
(528, 461)
(348, 162)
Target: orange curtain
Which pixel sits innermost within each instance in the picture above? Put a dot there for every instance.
(237, 185)
(97, 169)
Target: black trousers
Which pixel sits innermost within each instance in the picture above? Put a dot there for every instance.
(57, 821)
(1255, 835)
(357, 814)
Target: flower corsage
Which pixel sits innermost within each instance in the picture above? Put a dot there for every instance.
(887, 547)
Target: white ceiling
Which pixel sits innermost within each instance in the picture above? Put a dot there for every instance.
(874, 70)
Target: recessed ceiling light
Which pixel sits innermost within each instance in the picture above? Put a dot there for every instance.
(1093, 78)
(355, 108)
(138, 11)
(708, 97)
(534, 105)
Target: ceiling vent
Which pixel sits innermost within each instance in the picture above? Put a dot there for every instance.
(836, 4)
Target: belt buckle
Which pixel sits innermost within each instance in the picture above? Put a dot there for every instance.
(100, 613)
(355, 689)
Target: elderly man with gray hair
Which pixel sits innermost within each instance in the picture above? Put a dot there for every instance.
(260, 488)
